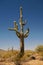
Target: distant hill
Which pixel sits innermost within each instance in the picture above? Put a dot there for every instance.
(1, 50)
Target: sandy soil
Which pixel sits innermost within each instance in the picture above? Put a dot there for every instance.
(31, 62)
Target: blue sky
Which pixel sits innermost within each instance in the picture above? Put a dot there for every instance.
(32, 12)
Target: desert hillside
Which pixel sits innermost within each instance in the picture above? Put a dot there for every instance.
(8, 57)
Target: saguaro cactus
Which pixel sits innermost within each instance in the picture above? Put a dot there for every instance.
(21, 35)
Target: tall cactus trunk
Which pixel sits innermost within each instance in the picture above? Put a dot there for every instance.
(22, 46)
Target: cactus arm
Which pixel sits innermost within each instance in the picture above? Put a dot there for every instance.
(26, 34)
(18, 34)
(14, 29)
(24, 22)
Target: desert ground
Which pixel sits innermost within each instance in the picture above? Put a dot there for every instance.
(31, 62)
(9, 57)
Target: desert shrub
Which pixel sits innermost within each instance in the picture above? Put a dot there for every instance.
(39, 48)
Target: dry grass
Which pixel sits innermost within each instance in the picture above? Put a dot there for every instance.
(31, 62)
(8, 57)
